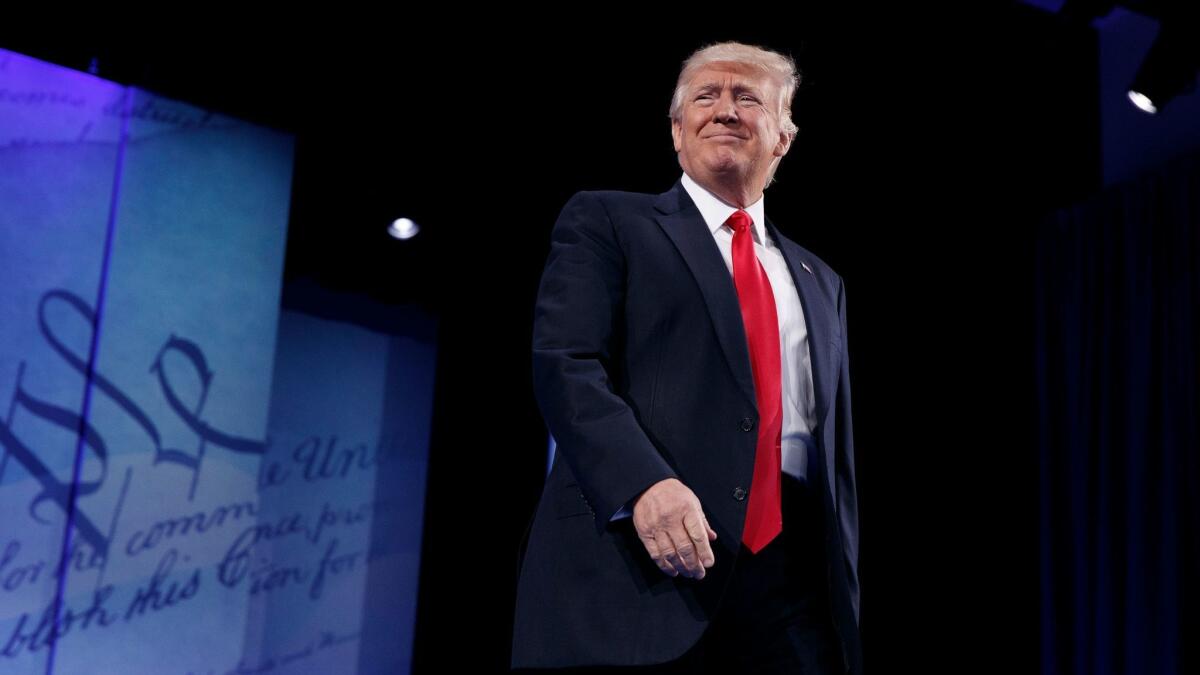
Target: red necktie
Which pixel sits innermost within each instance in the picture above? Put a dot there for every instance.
(764, 518)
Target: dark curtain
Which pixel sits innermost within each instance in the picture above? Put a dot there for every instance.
(1117, 300)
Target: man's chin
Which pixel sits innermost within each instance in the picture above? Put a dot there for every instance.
(725, 170)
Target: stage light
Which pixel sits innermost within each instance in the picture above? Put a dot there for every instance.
(1169, 68)
(1141, 101)
(403, 228)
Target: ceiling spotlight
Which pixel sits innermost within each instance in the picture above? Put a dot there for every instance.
(403, 228)
(1141, 101)
(1169, 68)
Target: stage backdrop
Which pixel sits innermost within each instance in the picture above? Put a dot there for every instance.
(192, 481)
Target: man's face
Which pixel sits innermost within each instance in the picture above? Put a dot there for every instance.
(729, 126)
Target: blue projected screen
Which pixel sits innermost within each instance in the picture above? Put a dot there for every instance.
(192, 481)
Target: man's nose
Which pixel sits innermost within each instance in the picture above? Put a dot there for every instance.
(725, 110)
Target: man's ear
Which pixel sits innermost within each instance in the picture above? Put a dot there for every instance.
(677, 134)
(785, 144)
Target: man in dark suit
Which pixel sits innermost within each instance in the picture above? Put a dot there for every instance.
(701, 512)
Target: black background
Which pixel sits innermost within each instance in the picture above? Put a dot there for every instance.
(930, 141)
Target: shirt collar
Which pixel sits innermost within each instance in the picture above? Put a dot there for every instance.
(716, 212)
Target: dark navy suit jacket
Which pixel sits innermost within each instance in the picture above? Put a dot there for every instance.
(642, 372)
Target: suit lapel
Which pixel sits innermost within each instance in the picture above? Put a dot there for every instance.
(682, 222)
(818, 317)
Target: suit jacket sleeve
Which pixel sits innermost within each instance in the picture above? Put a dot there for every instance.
(579, 309)
(845, 484)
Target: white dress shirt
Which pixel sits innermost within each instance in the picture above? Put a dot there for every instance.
(799, 402)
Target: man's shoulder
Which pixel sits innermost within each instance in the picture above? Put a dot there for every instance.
(617, 199)
(616, 212)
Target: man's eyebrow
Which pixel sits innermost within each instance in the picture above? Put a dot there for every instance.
(737, 87)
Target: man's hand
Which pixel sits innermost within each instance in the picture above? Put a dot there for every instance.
(672, 526)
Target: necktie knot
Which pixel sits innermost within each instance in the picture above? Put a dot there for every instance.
(739, 221)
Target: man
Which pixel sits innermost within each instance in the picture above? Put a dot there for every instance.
(691, 362)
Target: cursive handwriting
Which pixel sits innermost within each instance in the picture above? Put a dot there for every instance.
(38, 97)
(14, 573)
(236, 564)
(319, 459)
(162, 593)
(49, 629)
(151, 109)
(59, 492)
(182, 526)
(331, 564)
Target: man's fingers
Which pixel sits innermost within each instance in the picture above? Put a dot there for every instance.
(685, 544)
(668, 558)
(681, 547)
(697, 529)
(656, 554)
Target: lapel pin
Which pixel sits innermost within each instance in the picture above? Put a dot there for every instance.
(805, 266)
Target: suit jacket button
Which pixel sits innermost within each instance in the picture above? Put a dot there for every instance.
(747, 424)
(739, 493)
